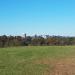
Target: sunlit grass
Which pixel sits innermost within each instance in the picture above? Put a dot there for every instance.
(20, 60)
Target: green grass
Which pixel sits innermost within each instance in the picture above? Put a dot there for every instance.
(20, 60)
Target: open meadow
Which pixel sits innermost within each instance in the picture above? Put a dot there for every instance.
(37, 60)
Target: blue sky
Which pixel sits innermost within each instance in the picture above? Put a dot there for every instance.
(53, 17)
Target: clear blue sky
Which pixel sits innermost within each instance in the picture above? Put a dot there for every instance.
(53, 17)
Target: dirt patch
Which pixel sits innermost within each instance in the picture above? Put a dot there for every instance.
(59, 66)
(64, 67)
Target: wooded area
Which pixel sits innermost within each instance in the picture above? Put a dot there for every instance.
(7, 41)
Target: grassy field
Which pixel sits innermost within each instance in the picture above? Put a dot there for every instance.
(37, 60)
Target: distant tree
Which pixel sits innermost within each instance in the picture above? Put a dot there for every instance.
(35, 40)
(4, 40)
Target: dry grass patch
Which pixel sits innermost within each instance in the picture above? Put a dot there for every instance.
(58, 66)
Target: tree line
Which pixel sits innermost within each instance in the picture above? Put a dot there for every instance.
(47, 40)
